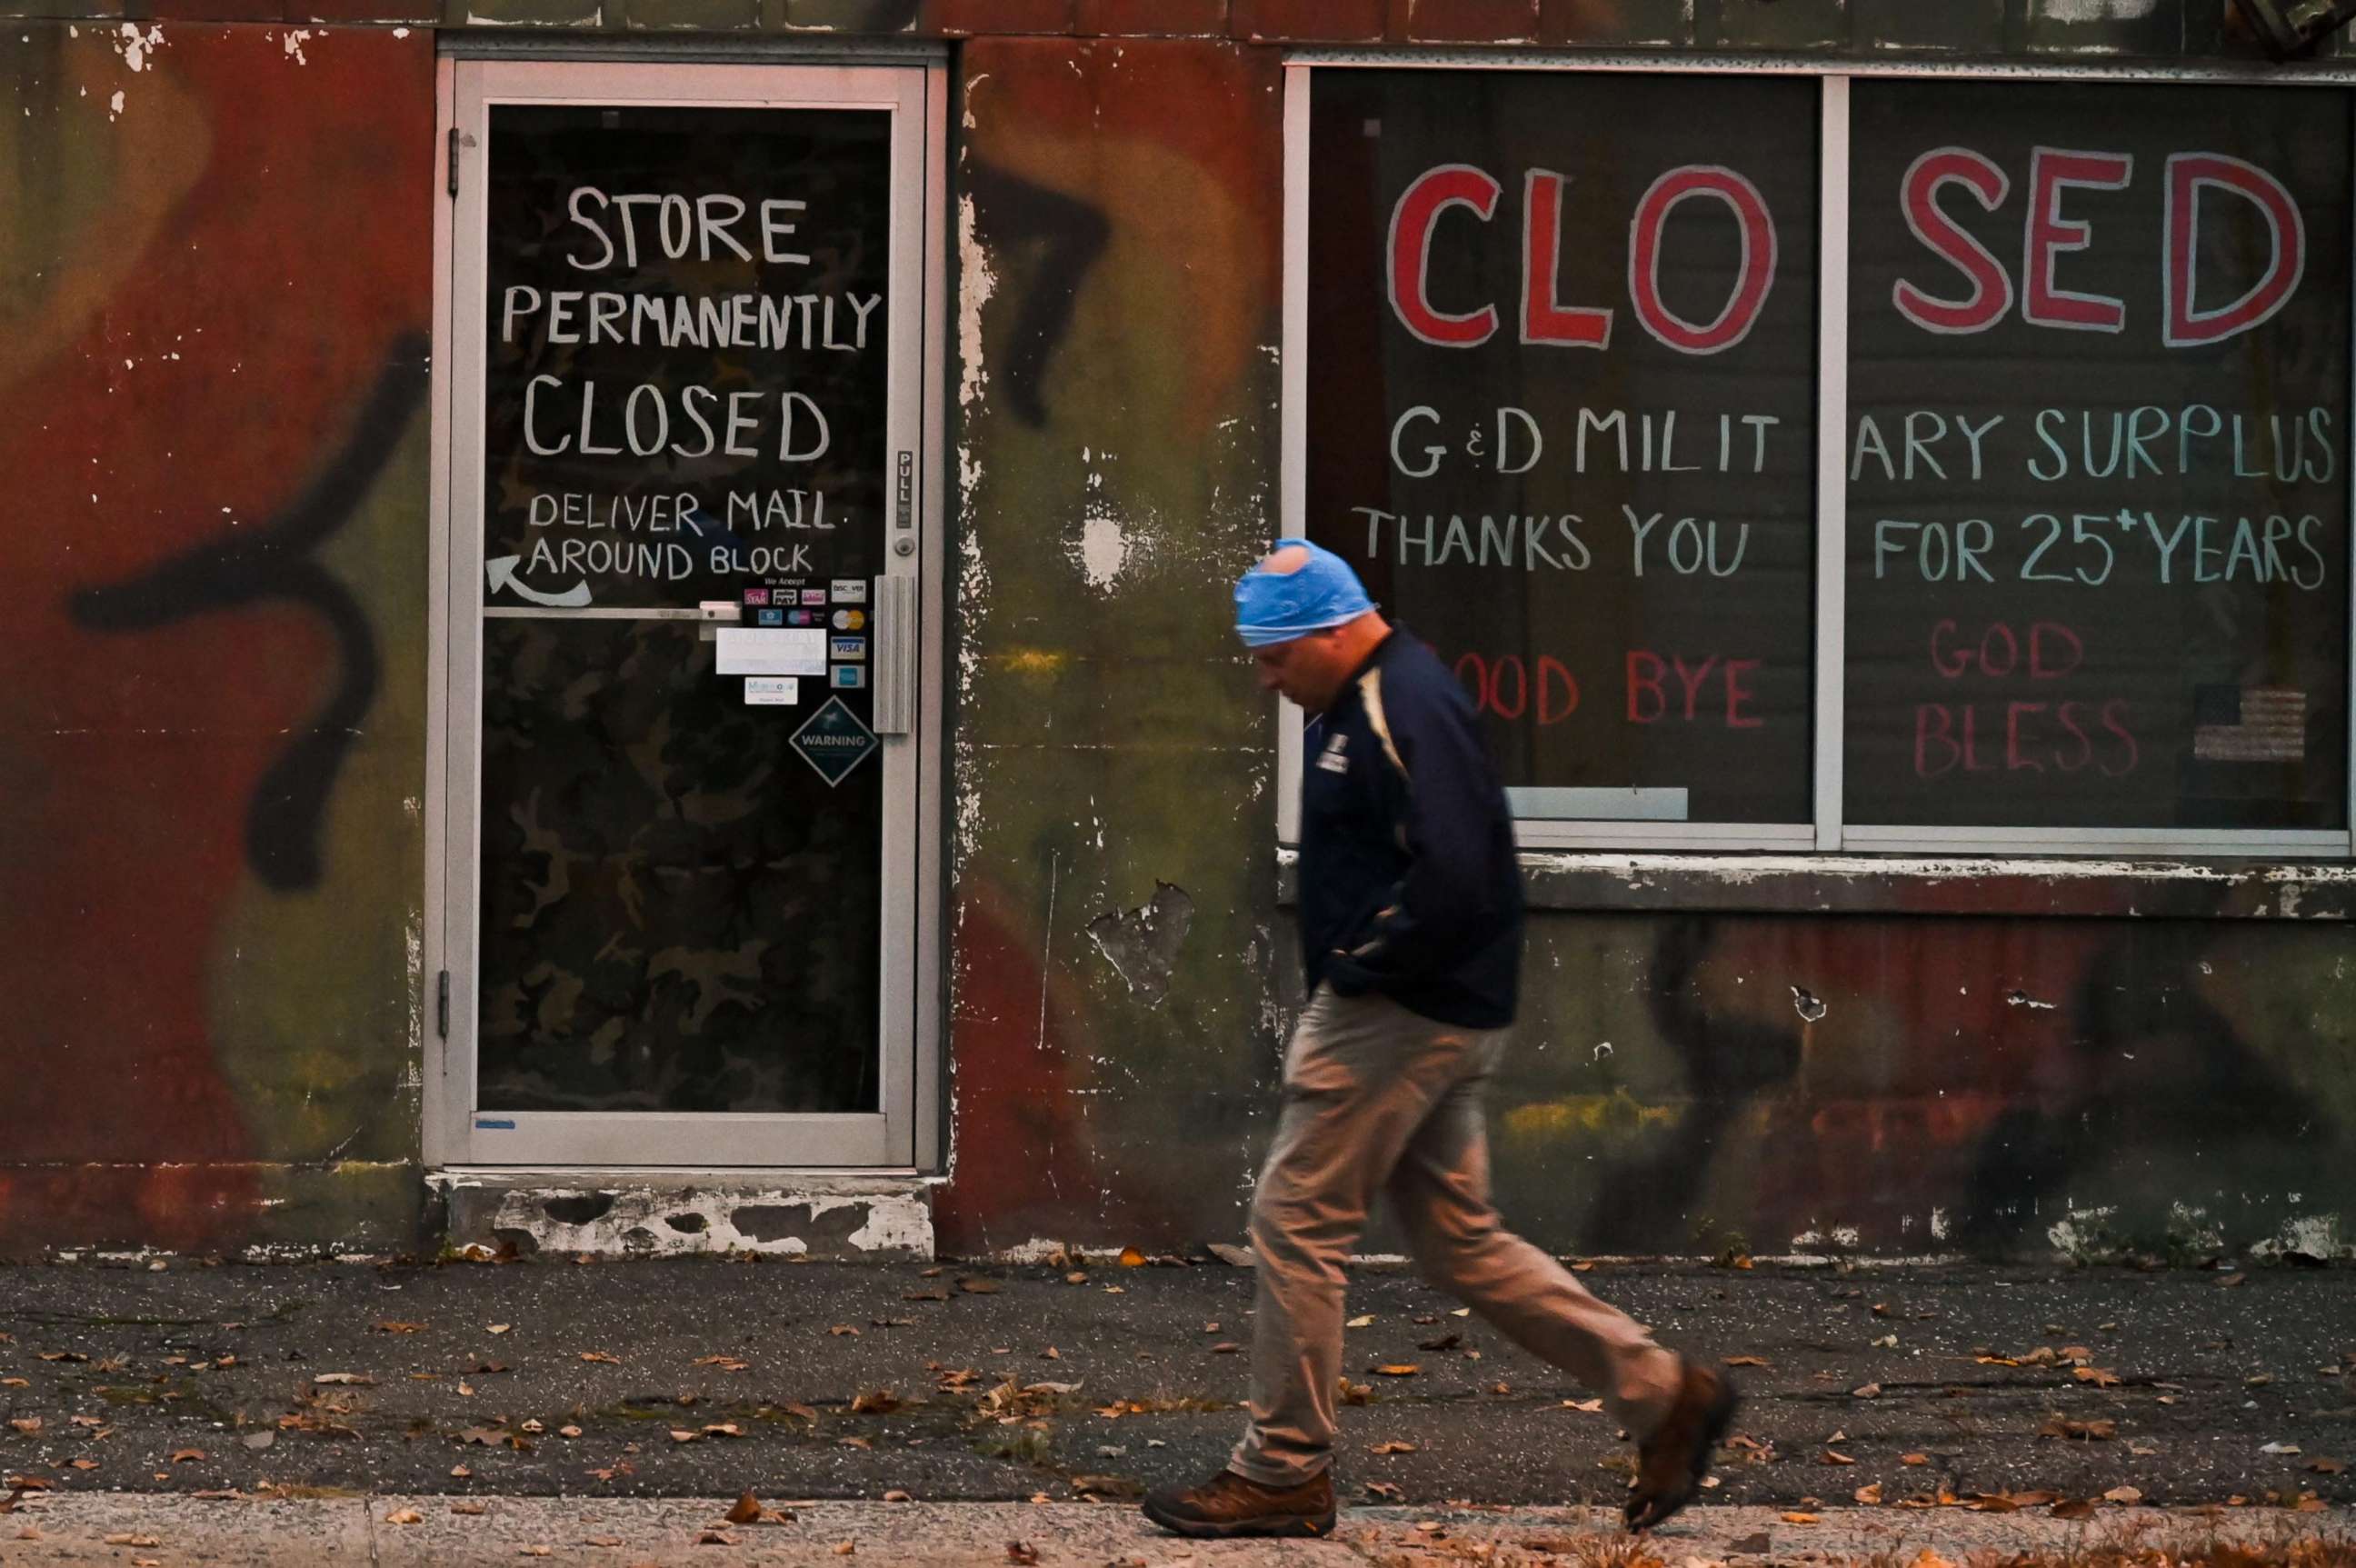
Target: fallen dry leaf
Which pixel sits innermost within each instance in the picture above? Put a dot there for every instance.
(1870, 1496)
(1588, 1407)
(470, 1509)
(715, 1538)
(845, 1331)
(1800, 1519)
(979, 1287)
(1832, 1458)
(2074, 1508)
(1130, 1258)
(83, 1464)
(1226, 1348)
(1364, 1320)
(126, 1537)
(1869, 1392)
(2079, 1431)
(2326, 1466)
(725, 1363)
(1747, 1361)
(355, 1380)
(680, 1435)
(875, 1402)
(2126, 1497)
(498, 1328)
(897, 1497)
(746, 1511)
(1398, 1370)
(2096, 1376)
(723, 1429)
(1385, 1490)
(389, 1327)
(404, 1516)
(845, 1548)
(460, 1472)
(601, 1356)
(1393, 1446)
(28, 1425)
(186, 1455)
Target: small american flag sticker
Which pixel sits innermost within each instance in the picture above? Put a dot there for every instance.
(2269, 726)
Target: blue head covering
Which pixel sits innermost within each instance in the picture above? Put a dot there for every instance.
(1277, 606)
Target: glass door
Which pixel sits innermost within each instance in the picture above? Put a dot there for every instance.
(684, 615)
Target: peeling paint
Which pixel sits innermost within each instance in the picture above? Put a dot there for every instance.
(2099, 10)
(654, 1219)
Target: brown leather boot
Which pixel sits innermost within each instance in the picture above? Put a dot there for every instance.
(1229, 1505)
(1671, 1463)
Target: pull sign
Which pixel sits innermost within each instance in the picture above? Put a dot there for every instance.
(442, 1004)
(907, 489)
(453, 160)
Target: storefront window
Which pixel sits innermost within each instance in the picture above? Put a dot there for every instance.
(1817, 462)
(2097, 473)
(1560, 414)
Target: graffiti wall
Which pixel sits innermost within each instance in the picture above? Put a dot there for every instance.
(1930, 1075)
(212, 418)
(214, 281)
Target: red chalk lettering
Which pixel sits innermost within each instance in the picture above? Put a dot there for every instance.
(1753, 280)
(2189, 174)
(2013, 760)
(1935, 728)
(2068, 718)
(1947, 663)
(2115, 719)
(1553, 677)
(1691, 679)
(1408, 255)
(1645, 685)
(1545, 319)
(1737, 693)
(1991, 293)
(1510, 664)
(2042, 667)
(2052, 171)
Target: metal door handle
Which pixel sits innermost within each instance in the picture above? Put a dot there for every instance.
(894, 642)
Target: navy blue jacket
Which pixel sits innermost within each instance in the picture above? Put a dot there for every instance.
(1408, 882)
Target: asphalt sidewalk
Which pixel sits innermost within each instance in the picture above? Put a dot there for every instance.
(1890, 1395)
(440, 1532)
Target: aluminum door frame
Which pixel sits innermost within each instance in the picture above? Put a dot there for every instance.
(903, 1133)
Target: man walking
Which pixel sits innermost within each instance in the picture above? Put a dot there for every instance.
(1411, 928)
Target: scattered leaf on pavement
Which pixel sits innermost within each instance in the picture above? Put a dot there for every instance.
(1747, 1361)
(2126, 1497)
(1868, 1495)
(404, 1516)
(389, 1327)
(601, 1356)
(746, 1511)
(1799, 1519)
(1398, 1370)
(2096, 1376)
(1832, 1458)
(355, 1380)
(1393, 1446)
(186, 1455)
(1869, 1392)
(979, 1287)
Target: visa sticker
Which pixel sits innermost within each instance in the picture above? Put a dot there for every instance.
(846, 648)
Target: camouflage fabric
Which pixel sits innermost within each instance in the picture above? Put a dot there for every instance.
(677, 913)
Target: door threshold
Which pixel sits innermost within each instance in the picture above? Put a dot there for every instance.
(668, 1211)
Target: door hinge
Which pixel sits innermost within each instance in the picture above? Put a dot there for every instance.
(442, 1004)
(453, 160)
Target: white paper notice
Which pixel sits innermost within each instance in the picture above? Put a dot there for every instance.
(764, 651)
(772, 691)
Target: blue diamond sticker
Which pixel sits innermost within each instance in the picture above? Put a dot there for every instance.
(834, 742)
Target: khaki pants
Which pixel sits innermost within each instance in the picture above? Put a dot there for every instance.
(1377, 1098)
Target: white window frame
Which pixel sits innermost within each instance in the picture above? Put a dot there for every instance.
(1828, 833)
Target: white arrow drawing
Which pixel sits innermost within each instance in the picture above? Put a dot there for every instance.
(501, 571)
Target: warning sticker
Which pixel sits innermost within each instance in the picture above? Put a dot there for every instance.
(834, 742)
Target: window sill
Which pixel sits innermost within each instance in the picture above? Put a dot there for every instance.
(1916, 884)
